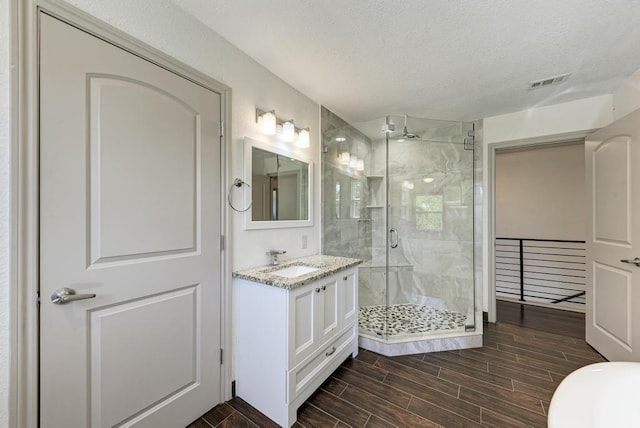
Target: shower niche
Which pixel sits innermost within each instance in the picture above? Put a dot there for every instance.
(376, 186)
(408, 211)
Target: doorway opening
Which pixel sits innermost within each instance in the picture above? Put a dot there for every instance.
(540, 231)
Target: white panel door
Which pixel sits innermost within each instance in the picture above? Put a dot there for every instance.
(613, 239)
(130, 212)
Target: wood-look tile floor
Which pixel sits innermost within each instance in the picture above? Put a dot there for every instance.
(550, 320)
(506, 383)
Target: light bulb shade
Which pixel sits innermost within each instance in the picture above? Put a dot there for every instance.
(353, 161)
(269, 123)
(345, 158)
(360, 165)
(288, 132)
(303, 138)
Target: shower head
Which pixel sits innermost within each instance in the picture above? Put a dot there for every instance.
(409, 135)
(406, 133)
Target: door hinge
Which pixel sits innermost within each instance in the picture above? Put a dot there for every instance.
(221, 356)
(37, 298)
(221, 129)
(221, 242)
(470, 140)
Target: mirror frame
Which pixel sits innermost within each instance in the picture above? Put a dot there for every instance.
(249, 223)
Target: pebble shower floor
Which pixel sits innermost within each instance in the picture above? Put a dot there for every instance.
(408, 319)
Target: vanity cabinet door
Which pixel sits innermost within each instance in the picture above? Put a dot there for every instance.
(329, 296)
(349, 285)
(319, 311)
(315, 316)
(303, 336)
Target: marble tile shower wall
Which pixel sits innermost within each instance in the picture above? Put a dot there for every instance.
(346, 231)
(343, 235)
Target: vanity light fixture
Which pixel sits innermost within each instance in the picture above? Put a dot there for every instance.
(272, 125)
(303, 138)
(268, 121)
(288, 131)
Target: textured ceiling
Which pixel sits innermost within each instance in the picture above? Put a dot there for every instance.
(444, 59)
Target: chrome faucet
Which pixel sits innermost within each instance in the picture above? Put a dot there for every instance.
(274, 255)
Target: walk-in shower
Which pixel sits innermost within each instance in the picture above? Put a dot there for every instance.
(398, 192)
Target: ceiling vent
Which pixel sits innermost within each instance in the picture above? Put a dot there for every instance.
(536, 84)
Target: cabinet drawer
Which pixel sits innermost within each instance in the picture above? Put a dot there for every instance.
(306, 372)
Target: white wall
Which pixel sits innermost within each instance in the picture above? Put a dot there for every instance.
(540, 193)
(627, 98)
(4, 213)
(542, 122)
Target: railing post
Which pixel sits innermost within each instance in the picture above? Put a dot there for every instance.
(521, 273)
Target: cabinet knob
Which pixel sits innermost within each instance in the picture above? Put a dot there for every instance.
(324, 287)
(318, 290)
(344, 278)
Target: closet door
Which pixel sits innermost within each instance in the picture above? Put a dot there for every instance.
(130, 223)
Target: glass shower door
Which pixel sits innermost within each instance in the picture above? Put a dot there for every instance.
(429, 266)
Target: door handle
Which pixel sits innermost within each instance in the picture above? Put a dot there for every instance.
(66, 295)
(394, 238)
(635, 261)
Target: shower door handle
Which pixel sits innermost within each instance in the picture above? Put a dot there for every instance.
(394, 238)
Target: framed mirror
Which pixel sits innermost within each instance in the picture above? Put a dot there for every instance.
(280, 192)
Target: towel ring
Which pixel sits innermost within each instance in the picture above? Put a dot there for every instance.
(237, 183)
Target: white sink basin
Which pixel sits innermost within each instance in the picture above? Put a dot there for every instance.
(294, 271)
(599, 395)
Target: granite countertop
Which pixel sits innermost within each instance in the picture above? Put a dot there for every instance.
(328, 266)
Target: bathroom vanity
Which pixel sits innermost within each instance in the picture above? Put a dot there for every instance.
(294, 325)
